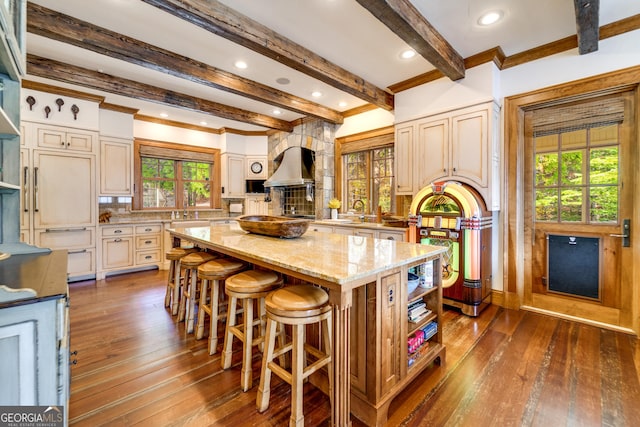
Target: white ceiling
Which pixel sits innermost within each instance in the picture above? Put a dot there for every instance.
(341, 31)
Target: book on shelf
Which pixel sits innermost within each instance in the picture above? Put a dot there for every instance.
(417, 311)
(417, 318)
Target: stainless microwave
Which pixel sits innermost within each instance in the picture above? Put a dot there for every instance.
(254, 186)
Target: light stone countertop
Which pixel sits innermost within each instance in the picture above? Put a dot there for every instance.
(368, 225)
(326, 257)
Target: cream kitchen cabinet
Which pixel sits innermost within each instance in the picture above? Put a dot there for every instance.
(116, 167)
(233, 175)
(373, 231)
(256, 167)
(58, 205)
(34, 331)
(128, 246)
(255, 205)
(460, 145)
(148, 244)
(65, 139)
(117, 247)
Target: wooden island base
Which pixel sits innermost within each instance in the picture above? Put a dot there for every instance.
(367, 280)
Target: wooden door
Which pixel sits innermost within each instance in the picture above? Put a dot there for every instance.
(595, 164)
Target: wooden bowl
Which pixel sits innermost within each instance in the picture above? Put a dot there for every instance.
(275, 226)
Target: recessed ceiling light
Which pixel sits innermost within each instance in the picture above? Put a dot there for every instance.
(240, 64)
(342, 104)
(316, 94)
(490, 18)
(164, 115)
(407, 54)
(283, 81)
(203, 123)
(277, 112)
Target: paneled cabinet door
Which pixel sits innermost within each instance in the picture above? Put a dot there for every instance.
(404, 162)
(116, 168)
(60, 138)
(63, 189)
(255, 205)
(117, 252)
(469, 146)
(233, 175)
(431, 152)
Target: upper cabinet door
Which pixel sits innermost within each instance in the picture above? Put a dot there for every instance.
(116, 168)
(432, 152)
(469, 146)
(403, 156)
(59, 138)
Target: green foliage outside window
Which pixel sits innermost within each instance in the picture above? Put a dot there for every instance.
(577, 177)
(163, 179)
(369, 178)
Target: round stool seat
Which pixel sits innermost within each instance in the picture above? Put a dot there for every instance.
(219, 268)
(177, 253)
(253, 281)
(298, 301)
(194, 259)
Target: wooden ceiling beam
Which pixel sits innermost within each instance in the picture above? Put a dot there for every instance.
(67, 73)
(587, 21)
(225, 22)
(401, 17)
(67, 29)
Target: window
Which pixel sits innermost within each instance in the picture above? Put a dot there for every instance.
(172, 176)
(576, 166)
(368, 178)
(364, 171)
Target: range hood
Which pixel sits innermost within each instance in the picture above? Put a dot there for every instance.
(295, 168)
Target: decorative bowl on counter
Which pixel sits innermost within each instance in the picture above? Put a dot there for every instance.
(275, 226)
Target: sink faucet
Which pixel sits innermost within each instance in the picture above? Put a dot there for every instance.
(361, 204)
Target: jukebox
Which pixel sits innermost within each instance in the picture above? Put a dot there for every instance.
(454, 215)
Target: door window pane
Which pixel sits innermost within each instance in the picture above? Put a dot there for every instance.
(576, 184)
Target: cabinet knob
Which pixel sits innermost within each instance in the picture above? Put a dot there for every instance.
(146, 242)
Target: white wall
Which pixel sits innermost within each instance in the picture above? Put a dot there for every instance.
(87, 117)
(164, 133)
(479, 85)
(613, 54)
(225, 142)
(116, 124)
(374, 119)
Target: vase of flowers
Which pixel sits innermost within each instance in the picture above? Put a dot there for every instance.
(334, 205)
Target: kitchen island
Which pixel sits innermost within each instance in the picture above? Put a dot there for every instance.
(360, 273)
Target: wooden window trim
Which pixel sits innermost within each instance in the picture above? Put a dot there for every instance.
(168, 150)
(369, 140)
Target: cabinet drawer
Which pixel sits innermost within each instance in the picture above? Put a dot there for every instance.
(117, 252)
(148, 242)
(117, 231)
(149, 228)
(65, 238)
(147, 257)
(81, 262)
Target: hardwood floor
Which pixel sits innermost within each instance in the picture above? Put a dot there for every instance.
(136, 366)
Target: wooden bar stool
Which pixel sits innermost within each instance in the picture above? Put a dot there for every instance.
(216, 272)
(174, 284)
(297, 306)
(246, 287)
(190, 263)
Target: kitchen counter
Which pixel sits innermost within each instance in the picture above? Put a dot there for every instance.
(350, 223)
(30, 278)
(337, 262)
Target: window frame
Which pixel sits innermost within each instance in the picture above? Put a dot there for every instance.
(180, 153)
(365, 141)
